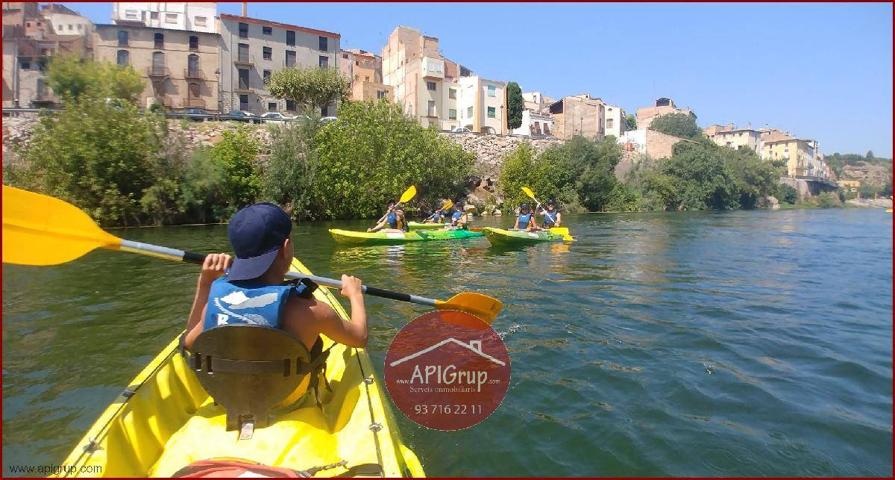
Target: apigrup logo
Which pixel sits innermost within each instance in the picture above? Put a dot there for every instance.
(447, 370)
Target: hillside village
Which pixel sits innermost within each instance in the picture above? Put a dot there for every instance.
(194, 59)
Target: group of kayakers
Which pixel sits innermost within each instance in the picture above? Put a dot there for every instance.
(526, 219)
(452, 214)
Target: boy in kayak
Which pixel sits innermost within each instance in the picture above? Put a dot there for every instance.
(525, 220)
(250, 289)
(394, 219)
(552, 217)
(459, 218)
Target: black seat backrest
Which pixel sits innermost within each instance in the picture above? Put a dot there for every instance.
(248, 370)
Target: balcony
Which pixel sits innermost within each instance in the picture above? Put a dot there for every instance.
(244, 61)
(433, 67)
(156, 72)
(193, 74)
(244, 88)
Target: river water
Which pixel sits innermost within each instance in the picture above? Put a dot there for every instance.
(742, 343)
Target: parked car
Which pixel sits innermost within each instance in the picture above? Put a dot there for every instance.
(243, 116)
(196, 114)
(325, 120)
(275, 117)
(460, 130)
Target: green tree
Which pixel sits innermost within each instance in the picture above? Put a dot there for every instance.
(515, 105)
(630, 122)
(99, 156)
(72, 78)
(677, 124)
(289, 175)
(373, 152)
(235, 155)
(754, 178)
(311, 88)
(699, 178)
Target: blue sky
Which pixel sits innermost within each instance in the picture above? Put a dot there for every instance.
(818, 70)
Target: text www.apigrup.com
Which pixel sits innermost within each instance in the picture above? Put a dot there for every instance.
(56, 469)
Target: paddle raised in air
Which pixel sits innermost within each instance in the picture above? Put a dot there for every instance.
(564, 231)
(42, 230)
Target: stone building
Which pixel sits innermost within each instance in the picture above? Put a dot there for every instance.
(663, 106)
(732, 137)
(364, 70)
(579, 115)
(537, 102)
(252, 49)
(179, 67)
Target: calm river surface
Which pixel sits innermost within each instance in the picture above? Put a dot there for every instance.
(743, 343)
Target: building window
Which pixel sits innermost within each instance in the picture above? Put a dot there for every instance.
(452, 114)
(290, 58)
(80, 27)
(452, 93)
(25, 64)
(609, 122)
(345, 56)
(271, 106)
(158, 63)
(243, 30)
(243, 102)
(323, 44)
(70, 28)
(492, 91)
(430, 86)
(243, 78)
(122, 38)
(170, 18)
(160, 40)
(131, 15)
(266, 31)
(153, 15)
(324, 112)
(195, 91)
(290, 105)
(200, 21)
(266, 76)
(123, 58)
(469, 112)
(380, 94)
(290, 38)
(322, 61)
(431, 110)
(492, 112)
(192, 65)
(194, 42)
(267, 52)
(243, 52)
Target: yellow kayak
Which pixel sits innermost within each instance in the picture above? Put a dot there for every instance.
(165, 421)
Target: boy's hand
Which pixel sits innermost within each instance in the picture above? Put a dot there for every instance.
(351, 286)
(214, 266)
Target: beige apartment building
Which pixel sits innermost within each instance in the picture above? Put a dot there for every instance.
(426, 84)
(364, 71)
(191, 16)
(663, 106)
(252, 49)
(579, 115)
(613, 121)
(482, 105)
(732, 137)
(180, 68)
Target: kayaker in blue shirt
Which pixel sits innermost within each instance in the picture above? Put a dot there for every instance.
(552, 217)
(458, 218)
(393, 220)
(525, 220)
(250, 289)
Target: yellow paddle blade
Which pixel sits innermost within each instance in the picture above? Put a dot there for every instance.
(560, 231)
(447, 204)
(530, 194)
(42, 230)
(481, 305)
(408, 194)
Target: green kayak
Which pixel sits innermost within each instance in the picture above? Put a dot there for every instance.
(350, 237)
(501, 237)
(424, 226)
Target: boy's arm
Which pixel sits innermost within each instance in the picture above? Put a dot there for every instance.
(352, 333)
(214, 266)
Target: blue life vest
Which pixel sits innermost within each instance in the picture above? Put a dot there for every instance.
(392, 220)
(455, 217)
(524, 220)
(550, 218)
(248, 303)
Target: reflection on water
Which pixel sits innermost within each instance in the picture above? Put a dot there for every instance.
(742, 343)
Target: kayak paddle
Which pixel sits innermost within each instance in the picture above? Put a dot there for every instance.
(564, 231)
(405, 197)
(43, 230)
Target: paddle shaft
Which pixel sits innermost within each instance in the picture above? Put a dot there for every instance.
(199, 258)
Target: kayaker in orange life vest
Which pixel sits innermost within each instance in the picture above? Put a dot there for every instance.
(393, 220)
(250, 289)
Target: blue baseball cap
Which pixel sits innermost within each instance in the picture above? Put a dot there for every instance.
(256, 233)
